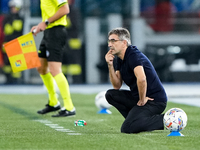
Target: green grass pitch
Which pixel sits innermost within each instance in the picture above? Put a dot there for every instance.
(22, 128)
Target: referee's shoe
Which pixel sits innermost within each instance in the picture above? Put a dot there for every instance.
(65, 113)
(49, 108)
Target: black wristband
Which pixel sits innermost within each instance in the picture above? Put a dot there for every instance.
(47, 22)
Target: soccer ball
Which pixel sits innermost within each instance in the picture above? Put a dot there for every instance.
(175, 119)
(101, 102)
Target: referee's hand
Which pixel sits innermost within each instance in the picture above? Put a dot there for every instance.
(40, 27)
(34, 30)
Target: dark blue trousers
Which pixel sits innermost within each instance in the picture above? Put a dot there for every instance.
(137, 118)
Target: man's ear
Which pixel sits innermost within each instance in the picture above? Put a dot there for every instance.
(125, 42)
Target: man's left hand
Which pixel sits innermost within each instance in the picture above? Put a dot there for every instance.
(143, 102)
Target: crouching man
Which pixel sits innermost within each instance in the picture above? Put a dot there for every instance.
(143, 104)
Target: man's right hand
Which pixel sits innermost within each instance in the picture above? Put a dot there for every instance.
(109, 57)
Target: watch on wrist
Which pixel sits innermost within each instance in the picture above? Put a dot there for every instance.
(47, 22)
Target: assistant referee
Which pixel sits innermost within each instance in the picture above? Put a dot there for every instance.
(50, 53)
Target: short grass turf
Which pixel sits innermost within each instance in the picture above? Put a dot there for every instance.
(22, 128)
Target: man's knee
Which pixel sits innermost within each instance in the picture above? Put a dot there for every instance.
(109, 96)
(129, 128)
(125, 128)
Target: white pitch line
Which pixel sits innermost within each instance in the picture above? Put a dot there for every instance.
(65, 130)
(57, 127)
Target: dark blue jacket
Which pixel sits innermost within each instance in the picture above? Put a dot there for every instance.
(133, 58)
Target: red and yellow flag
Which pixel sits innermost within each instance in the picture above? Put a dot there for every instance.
(22, 53)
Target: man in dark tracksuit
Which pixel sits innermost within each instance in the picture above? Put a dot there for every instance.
(13, 28)
(142, 105)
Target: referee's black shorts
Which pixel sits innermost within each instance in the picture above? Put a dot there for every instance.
(52, 44)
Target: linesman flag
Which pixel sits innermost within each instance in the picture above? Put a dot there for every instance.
(22, 53)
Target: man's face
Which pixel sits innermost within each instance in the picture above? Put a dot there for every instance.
(115, 44)
(14, 10)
